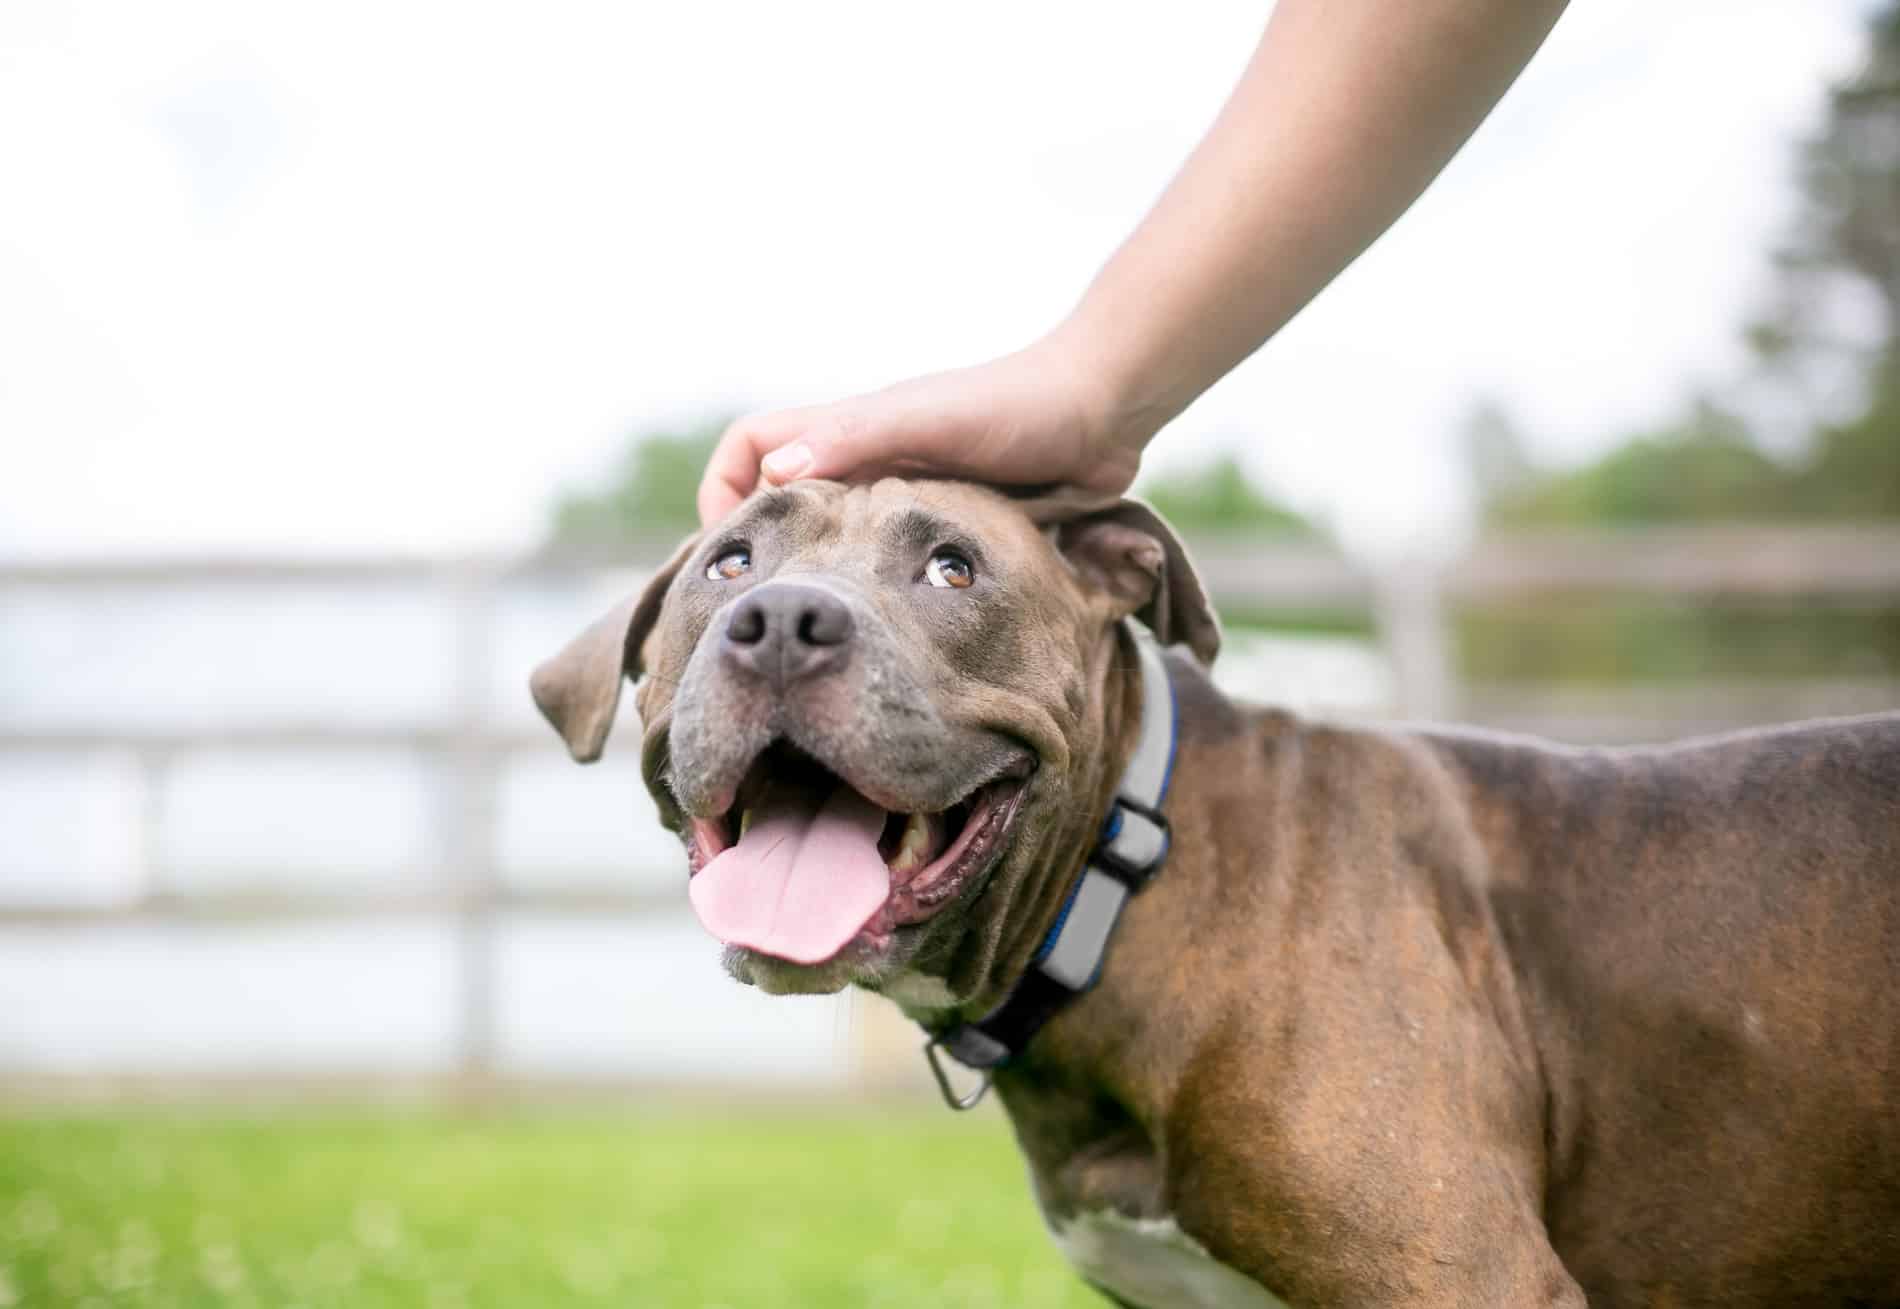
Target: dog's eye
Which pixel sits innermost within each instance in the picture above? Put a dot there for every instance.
(731, 564)
(948, 568)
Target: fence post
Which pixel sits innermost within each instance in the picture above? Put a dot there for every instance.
(1409, 610)
(469, 837)
(153, 769)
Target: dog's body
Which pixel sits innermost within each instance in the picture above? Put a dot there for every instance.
(1407, 1018)
(1408, 1015)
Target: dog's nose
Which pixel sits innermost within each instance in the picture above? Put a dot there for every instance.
(784, 631)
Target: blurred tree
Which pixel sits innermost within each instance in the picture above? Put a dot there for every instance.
(1705, 466)
(1833, 323)
(1831, 332)
(1845, 239)
(650, 497)
(1853, 470)
(649, 500)
(1219, 496)
(1842, 255)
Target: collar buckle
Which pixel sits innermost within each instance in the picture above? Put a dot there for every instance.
(1134, 843)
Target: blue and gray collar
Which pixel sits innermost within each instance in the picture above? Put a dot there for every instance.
(1131, 848)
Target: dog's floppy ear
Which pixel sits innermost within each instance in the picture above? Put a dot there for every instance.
(578, 690)
(1128, 552)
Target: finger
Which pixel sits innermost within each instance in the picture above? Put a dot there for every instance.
(844, 442)
(733, 471)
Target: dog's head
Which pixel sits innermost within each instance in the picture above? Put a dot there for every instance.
(885, 720)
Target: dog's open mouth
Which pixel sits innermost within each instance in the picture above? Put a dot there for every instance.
(802, 864)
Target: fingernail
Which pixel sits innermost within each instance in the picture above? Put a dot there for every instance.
(787, 462)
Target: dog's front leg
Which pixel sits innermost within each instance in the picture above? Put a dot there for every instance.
(1363, 1266)
(1454, 1251)
(1433, 1198)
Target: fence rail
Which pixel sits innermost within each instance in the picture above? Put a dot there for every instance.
(1854, 565)
(1777, 559)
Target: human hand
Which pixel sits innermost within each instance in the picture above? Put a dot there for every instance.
(1031, 418)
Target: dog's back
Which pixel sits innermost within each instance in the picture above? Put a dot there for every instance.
(1706, 939)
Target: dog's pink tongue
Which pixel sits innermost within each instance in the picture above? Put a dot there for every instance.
(801, 881)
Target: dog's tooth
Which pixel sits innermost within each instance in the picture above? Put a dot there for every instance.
(935, 839)
(745, 821)
(913, 848)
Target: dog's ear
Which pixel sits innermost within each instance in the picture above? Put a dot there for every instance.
(1128, 552)
(578, 690)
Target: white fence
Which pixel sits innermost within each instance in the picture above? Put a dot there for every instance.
(258, 813)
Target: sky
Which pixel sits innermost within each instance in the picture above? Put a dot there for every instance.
(387, 276)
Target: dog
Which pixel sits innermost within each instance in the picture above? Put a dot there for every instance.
(1418, 1017)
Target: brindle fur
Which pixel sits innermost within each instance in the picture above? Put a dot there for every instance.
(1410, 1017)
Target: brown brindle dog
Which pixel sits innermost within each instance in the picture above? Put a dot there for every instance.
(1408, 1018)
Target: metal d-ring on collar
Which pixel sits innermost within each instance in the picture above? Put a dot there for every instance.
(1126, 856)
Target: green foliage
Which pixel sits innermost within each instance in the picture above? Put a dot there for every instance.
(1705, 468)
(1708, 469)
(651, 497)
(1844, 242)
(1610, 639)
(1847, 231)
(761, 1208)
(1853, 470)
(1846, 239)
(1218, 496)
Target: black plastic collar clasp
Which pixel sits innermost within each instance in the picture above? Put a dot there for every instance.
(1136, 845)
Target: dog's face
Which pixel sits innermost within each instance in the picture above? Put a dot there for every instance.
(876, 717)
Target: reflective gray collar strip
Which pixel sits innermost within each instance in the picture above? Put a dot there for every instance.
(1145, 780)
(1133, 844)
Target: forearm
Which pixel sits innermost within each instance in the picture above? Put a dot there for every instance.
(1345, 113)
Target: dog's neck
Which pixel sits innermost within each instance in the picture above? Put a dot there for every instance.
(1050, 876)
(1129, 847)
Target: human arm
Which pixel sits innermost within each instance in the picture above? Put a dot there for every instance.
(1345, 113)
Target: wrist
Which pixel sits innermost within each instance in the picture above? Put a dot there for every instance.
(1105, 391)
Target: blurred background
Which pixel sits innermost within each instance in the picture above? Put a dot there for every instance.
(357, 355)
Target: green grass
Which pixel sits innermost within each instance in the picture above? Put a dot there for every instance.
(1620, 639)
(735, 1208)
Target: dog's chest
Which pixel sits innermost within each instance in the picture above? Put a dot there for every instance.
(1151, 1263)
